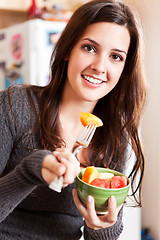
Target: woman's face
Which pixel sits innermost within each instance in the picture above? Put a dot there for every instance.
(97, 60)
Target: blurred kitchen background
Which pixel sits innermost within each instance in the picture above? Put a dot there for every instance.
(28, 31)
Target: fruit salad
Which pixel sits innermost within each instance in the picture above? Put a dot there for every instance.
(103, 180)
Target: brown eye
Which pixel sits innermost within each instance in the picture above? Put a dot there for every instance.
(89, 48)
(117, 57)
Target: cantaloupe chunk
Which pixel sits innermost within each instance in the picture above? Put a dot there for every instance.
(90, 119)
(90, 174)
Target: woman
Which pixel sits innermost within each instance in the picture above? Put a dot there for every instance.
(96, 67)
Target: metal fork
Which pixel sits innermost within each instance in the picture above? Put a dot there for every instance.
(85, 138)
(82, 142)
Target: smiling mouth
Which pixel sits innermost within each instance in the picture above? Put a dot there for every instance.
(92, 80)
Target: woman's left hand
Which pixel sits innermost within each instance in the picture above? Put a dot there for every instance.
(90, 216)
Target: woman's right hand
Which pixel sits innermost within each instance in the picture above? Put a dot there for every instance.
(61, 163)
(52, 168)
(68, 159)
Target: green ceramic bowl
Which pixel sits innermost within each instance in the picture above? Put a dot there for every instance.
(100, 195)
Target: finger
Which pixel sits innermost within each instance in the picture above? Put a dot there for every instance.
(71, 163)
(72, 168)
(79, 204)
(53, 165)
(112, 210)
(61, 152)
(65, 153)
(47, 175)
(91, 207)
(70, 172)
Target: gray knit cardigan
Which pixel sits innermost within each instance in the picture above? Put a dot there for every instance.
(28, 208)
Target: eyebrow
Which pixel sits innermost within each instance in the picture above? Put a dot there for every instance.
(118, 50)
(91, 40)
(114, 49)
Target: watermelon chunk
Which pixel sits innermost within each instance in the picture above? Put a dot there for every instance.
(102, 183)
(118, 182)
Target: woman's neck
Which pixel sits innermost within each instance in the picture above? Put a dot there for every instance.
(71, 126)
(69, 115)
(72, 104)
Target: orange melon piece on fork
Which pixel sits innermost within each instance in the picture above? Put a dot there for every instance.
(90, 174)
(90, 119)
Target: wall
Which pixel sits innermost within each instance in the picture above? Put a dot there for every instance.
(151, 193)
(15, 11)
(149, 13)
(8, 18)
(24, 4)
(14, 4)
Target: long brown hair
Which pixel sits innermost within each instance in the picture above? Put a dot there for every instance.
(120, 110)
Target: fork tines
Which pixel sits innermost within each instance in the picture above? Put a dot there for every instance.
(87, 134)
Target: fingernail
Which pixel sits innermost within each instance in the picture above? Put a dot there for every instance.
(89, 199)
(113, 199)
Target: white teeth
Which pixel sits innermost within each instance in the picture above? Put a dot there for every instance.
(92, 80)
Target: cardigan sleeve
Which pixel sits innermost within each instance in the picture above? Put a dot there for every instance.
(111, 233)
(19, 181)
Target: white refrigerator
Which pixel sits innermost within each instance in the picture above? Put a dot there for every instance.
(25, 51)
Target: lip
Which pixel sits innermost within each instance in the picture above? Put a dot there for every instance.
(92, 85)
(91, 76)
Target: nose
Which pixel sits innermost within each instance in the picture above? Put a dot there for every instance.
(99, 64)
